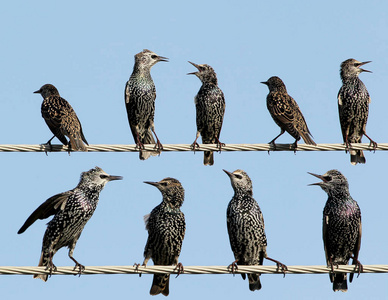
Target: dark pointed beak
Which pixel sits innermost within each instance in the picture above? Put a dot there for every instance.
(363, 63)
(228, 173)
(318, 176)
(113, 177)
(162, 58)
(264, 82)
(37, 92)
(195, 65)
(152, 183)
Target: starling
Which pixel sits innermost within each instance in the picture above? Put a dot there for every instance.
(341, 226)
(246, 228)
(71, 210)
(286, 113)
(166, 229)
(61, 118)
(210, 107)
(353, 108)
(140, 95)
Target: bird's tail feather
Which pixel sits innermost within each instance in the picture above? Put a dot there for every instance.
(208, 159)
(160, 284)
(77, 144)
(308, 139)
(148, 139)
(254, 282)
(43, 261)
(340, 282)
(357, 157)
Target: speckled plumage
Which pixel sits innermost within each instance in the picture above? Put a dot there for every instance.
(353, 107)
(61, 118)
(245, 224)
(71, 210)
(341, 226)
(140, 95)
(210, 109)
(286, 113)
(166, 229)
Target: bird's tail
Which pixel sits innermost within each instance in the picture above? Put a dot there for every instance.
(160, 284)
(208, 159)
(43, 261)
(340, 282)
(76, 142)
(148, 139)
(254, 282)
(357, 157)
(308, 138)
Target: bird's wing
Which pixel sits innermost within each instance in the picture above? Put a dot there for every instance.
(127, 93)
(50, 207)
(343, 121)
(52, 115)
(356, 249)
(325, 237)
(282, 109)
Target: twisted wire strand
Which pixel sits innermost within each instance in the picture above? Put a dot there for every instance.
(197, 270)
(187, 147)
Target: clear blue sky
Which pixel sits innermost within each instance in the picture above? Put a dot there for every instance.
(86, 50)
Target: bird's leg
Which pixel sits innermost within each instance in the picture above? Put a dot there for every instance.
(233, 267)
(80, 267)
(180, 269)
(279, 265)
(272, 143)
(372, 142)
(50, 266)
(195, 145)
(295, 145)
(358, 265)
(49, 144)
(158, 145)
(139, 145)
(69, 148)
(137, 268)
(219, 144)
(347, 143)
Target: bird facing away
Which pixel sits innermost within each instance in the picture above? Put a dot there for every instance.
(210, 107)
(140, 95)
(246, 228)
(166, 229)
(286, 113)
(341, 226)
(353, 108)
(61, 118)
(71, 210)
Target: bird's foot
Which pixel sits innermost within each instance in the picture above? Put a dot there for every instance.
(220, 145)
(80, 268)
(51, 268)
(137, 268)
(49, 145)
(180, 269)
(233, 267)
(348, 146)
(358, 266)
(272, 145)
(139, 146)
(158, 145)
(281, 267)
(295, 146)
(373, 144)
(194, 146)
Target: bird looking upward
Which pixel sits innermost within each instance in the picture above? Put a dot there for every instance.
(61, 118)
(140, 95)
(353, 108)
(210, 108)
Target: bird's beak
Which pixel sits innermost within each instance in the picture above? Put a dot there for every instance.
(113, 177)
(264, 82)
(195, 65)
(37, 92)
(363, 63)
(162, 58)
(228, 173)
(318, 176)
(152, 183)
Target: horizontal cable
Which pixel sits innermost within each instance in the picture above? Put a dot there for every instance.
(187, 147)
(92, 270)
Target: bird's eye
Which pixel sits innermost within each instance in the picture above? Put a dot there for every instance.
(327, 178)
(164, 183)
(154, 56)
(238, 176)
(102, 176)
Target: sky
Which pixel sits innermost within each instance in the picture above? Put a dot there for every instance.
(86, 49)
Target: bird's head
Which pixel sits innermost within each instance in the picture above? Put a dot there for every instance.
(96, 178)
(47, 90)
(146, 59)
(205, 73)
(275, 84)
(351, 68)
(171, 189)
(240, 181)
(332, 180)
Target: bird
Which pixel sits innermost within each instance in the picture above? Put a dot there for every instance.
(71, 210)
(166, 228)
(353, 108)
(61, 118)
(140, 95)
(286, 113)
(245, 224)
(210, 110)
(341, 226)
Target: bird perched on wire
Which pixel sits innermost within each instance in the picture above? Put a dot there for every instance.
(341, 226)
(353, 108)
(210, 107)
(71, 210)
(246, 228)
(140, 95)
(286, 113)
(61, 118)
(166, 229)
